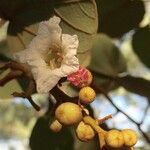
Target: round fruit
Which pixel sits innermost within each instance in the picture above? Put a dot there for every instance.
(130, 137)
(55, 126)
(87, 95)
(85, 132)
(68, 113)
(114, 139)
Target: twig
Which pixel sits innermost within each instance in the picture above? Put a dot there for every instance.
(144, 134)
(16, 66)
(145, 112)
(102, 120)
(20, 70)
(11, 75)
(29, 98)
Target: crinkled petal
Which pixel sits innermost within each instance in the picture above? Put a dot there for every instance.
(29, 57)
(46, 79)
(70, 62)
(69, 66)
(49, 33)
(70, 44)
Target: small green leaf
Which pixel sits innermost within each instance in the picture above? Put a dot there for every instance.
(79, 18)
(84, 58)
(141, 44)
(106, 59)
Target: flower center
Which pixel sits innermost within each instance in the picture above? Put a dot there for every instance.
(54, 57)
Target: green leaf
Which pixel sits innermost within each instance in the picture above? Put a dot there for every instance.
(81, 19)
(119, 16)
(106, 59)
(84, 58)
(141, 44)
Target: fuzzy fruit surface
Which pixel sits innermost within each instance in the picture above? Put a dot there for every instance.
(85, 132)
(68, 113)
(114, 139)
(87, 95)
(130, 137)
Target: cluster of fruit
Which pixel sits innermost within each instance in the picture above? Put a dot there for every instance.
(126, 138)
(69, 113)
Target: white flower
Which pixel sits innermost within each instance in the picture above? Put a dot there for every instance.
(61, 49)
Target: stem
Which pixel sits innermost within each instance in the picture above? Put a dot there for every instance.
(102, 142)
(100, 121)
(89, 120)
(29, 98)
(101, 133)
(11, 75)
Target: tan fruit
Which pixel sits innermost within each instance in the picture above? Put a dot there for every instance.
(114, 139)
(87, 95)
(85, 132)
(55, 126)
(130, 137)
(68, 113)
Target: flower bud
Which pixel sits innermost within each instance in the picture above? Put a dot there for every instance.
(68, 113)
(114, 139)
(85, 132)
(130, 137)
(55, 126)
(80, 78)
(87, 95)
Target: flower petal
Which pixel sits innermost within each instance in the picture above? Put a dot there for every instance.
(46, 80)
(49, 33)
(30, 57)
(70, 62)
(70, 44)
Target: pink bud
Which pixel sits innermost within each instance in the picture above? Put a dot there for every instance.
(80, 78)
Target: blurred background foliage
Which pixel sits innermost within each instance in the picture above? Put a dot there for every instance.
(115, 40)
